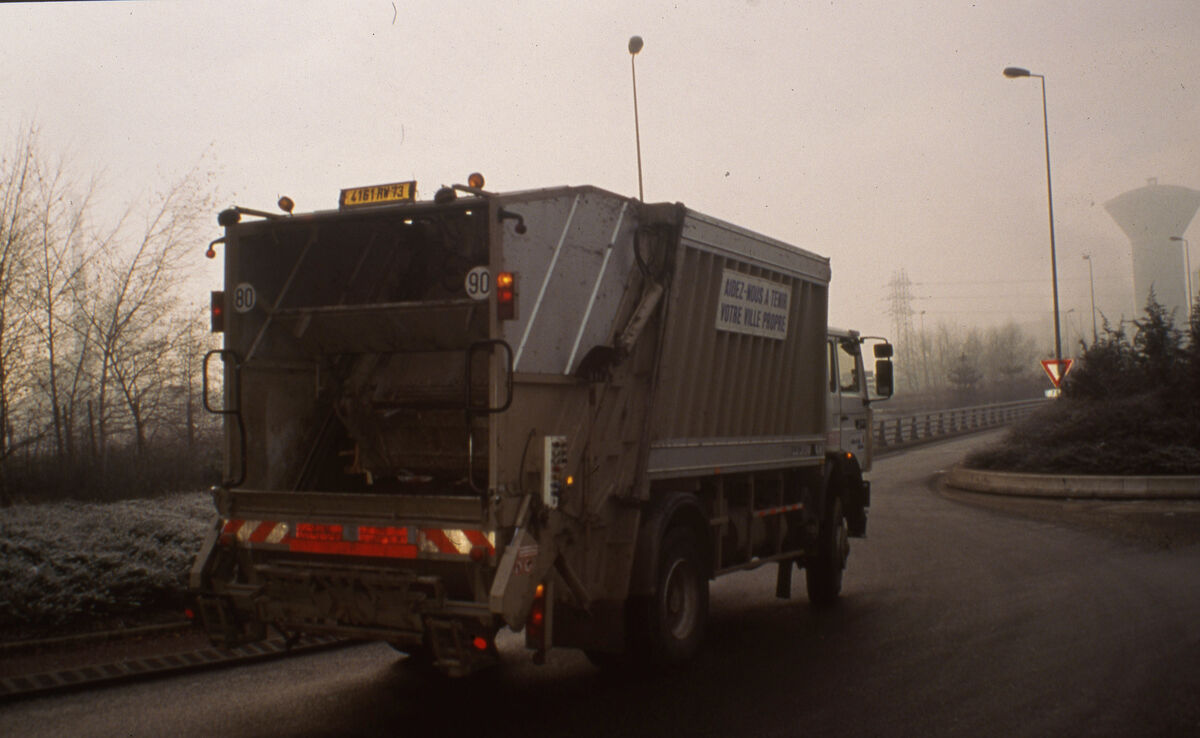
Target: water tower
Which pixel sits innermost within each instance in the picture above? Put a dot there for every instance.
(1154, 218)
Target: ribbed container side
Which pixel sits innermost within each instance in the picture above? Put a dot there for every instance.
(725, 384)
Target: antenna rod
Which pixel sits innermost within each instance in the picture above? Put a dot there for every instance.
(635, 45)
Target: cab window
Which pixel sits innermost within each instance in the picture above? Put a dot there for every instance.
(847, 363)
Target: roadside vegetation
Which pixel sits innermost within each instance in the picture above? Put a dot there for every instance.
(69, 567)
(1130, 406)
(101, 339)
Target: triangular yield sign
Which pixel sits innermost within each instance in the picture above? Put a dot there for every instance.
(1056, 369)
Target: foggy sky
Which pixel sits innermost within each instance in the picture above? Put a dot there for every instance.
(879, 133)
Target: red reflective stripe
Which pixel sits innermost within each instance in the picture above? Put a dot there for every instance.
(354, 548)
(479, 539)
(439, 539)
(262, 531)
(318, 532)
(778, 510)
(395, 542)
(387, 535)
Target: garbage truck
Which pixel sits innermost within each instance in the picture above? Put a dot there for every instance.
(561, 412)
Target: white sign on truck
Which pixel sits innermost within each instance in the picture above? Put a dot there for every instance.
(752, 305)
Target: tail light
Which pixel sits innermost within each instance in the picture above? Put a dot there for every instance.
(536, 626)
(506, 296)
(218, 312)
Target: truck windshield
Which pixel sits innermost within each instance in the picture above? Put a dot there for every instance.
(849, 381)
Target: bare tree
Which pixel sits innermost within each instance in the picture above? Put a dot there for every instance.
(59, 261)
(132, 318)
(17, 175)
(96, 347)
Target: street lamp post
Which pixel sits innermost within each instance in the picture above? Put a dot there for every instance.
(1013, 73)
(635, 45)
(1092, 286)
(1187, 258)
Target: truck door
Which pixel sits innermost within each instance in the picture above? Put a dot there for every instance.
(848, 420)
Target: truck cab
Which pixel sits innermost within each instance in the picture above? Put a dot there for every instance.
(849, 441)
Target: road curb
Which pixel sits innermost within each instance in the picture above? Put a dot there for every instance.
(159, 666)
(1078, 486)
(98, 636)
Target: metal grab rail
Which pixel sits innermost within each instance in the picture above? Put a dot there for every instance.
(228, 355)
(911, 428)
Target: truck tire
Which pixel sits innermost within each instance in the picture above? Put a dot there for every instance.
(823, 570)
(678, 609)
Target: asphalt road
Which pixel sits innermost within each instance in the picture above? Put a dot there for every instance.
(960, 617)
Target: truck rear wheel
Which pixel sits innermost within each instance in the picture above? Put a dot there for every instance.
(823, 570)
(679, 606)
(665, 628)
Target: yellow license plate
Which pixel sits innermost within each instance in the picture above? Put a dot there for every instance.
(378, 194)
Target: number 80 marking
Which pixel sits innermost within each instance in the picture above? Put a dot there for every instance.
(244, 297)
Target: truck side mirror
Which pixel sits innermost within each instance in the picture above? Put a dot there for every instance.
(884, 384)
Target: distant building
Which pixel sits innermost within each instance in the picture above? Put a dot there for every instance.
(1151, 216)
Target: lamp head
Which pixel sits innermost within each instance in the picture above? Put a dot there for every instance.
(1014, 72)
(635, 44)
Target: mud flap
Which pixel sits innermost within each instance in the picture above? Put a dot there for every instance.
(859, 499)
(512, 589)
(522, 567)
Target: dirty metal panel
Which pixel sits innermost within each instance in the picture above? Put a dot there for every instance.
(573, 266)
(707, 233)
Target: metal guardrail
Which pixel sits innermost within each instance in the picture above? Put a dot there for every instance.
(895, 431)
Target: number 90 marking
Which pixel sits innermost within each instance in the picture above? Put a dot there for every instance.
(478, 283)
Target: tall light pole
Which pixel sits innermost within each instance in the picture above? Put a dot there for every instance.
(635, 45)
(1013, 73)
(1092, 284)
(1187, 258)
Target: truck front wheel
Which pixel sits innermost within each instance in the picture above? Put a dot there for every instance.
(823, 568)
(679, 607)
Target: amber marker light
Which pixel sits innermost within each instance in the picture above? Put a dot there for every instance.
(475, 180)
(506, 293)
